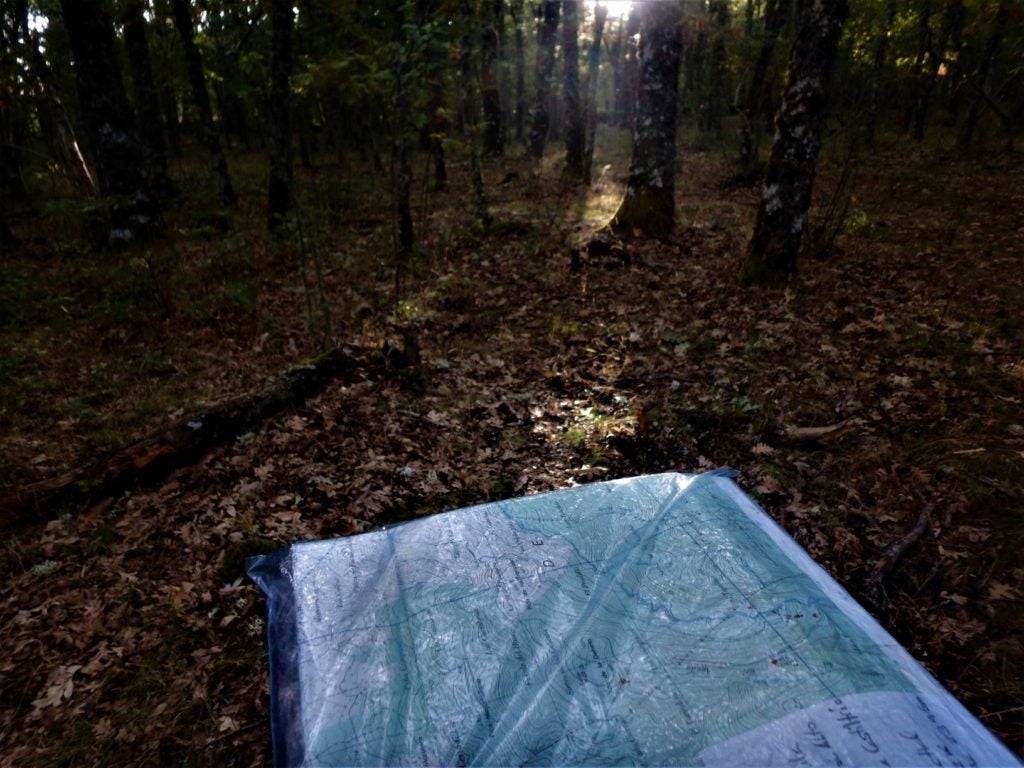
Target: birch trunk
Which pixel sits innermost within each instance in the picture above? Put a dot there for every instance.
(649, 204)
(789, 179)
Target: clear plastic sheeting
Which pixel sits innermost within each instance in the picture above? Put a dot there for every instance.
(660, 620)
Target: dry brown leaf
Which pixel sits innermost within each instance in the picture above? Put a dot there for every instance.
(999, 591)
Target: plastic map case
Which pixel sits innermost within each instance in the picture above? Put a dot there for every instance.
(659, 620)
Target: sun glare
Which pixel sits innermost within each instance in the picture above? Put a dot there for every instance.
(616, 8)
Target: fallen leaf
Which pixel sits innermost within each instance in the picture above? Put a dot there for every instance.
(1000, 591)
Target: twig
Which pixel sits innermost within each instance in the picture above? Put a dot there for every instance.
(1000, 713)
(873, 589)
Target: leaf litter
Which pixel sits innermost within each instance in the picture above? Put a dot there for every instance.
(883, 380)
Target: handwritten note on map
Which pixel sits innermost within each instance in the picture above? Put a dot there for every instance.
(660, 620)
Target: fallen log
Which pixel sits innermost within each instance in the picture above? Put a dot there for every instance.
(873, 584)
(820, 435)
(178, 444)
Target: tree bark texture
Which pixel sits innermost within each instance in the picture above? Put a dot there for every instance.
(575, 126)
(108, 117)
(197, 82)
(751, 113)
(147, 102)
(593, 67)
(649, 202)
(279, 186)
(540, 117)
(789, 179)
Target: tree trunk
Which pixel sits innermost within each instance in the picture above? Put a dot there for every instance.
(504, 84)
(516, 9)
(436, 126)
(786, 197)
(924, 44)
(649, 203)
(197, 81)
(715, 80)
(878, 72)
(616, 57)
(279, 186)
(54, 122)
(147, 103)
(490, 87)
(180, 443)
(403, 137)
(753, 97)
(575, 126)
(695, 50)
(949, 30)
(307, 138)
(169, 105)
(470, 122)
(8, 240)
(540, 119)
(12, 186)
(232, 113)
(630, 69)
(593, 68)
(108, 117)
(970, 123)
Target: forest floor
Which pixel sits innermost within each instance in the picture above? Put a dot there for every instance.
(130, 635)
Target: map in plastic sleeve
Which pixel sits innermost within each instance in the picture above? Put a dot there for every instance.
(659, 620)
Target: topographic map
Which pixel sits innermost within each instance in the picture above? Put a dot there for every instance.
(660, 620)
